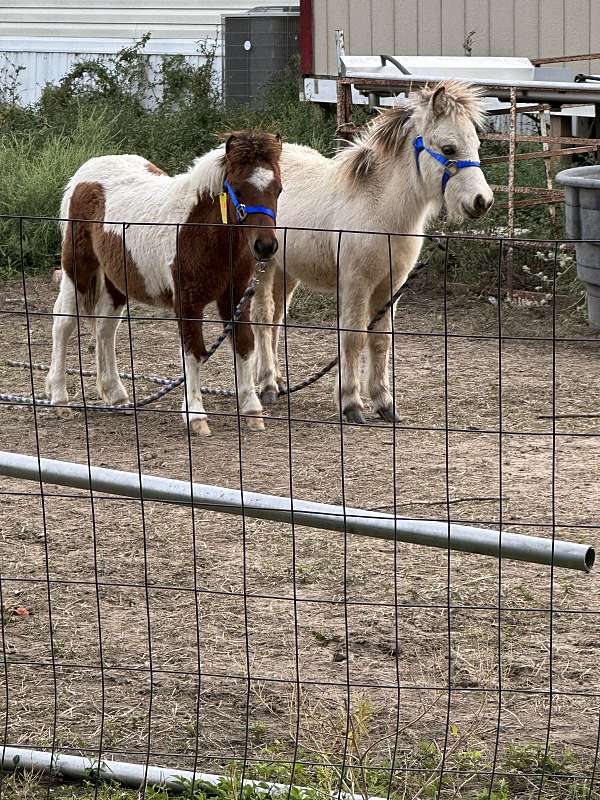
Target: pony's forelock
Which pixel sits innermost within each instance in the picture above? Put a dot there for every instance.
(252, 147)
(460, 98)
(248, 147)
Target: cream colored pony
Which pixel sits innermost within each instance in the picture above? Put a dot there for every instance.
(379, 183)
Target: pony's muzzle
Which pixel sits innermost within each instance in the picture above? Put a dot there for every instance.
(265, 247)
(481, 205)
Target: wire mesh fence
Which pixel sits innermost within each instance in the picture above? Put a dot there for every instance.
(165, 633)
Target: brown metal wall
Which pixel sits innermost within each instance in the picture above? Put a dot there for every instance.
(532, 28)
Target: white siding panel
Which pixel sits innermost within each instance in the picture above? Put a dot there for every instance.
(405, 22)
(382, 20)
(595, 33)
(122, 31)
(430, 28)
(184, 19)
(198, 9)
(527, 29)
(43, 68)
(552, 28)
(453, 27)
(360, 16)
(477, 19)
(577, 36)
(338, 18)
(502, 30)
(320, 37)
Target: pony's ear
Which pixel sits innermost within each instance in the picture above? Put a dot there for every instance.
(439, 103)
(278, 137)
(230, 140)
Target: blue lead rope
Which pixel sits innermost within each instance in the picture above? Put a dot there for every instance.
(242, 210)
(450, 167)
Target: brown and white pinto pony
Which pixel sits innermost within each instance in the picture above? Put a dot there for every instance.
(178, 268)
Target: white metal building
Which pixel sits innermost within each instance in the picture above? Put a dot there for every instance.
(48, 36)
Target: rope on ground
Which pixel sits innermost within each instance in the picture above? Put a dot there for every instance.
(169, 384)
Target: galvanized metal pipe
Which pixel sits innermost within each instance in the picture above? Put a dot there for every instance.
(134, 776)
(537, 91)
(79, 767)
(484, 541)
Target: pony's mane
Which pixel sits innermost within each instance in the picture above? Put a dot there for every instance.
(387, 132)
(207, 173)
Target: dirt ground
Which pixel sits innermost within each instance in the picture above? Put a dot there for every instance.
(202, 638)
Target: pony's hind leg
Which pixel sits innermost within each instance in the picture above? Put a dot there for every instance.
(108, 310)
(243, 344)
(64, 322)
(193, 353)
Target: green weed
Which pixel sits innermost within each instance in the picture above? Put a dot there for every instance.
(35, 169)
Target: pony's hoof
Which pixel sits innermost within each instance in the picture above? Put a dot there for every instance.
(200, 427)
(119, 401)
(113, 396)
(255, 422)
(388, 414)
(268, 396)
(63, 410)
(354, 415)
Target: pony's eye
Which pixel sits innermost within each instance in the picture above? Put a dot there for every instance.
(449, 150)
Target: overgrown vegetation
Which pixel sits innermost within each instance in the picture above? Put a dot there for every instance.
(351, 758)
(415, 774)
(170, 111)
(35, 167)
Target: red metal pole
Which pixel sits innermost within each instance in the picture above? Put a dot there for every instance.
(306, 37)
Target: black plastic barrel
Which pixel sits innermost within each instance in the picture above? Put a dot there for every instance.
(582, 211)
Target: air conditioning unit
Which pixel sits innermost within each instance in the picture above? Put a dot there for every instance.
(258, 47)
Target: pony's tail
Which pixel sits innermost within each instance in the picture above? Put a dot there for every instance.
(65, 204)
(91, 296)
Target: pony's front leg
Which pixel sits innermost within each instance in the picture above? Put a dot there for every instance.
(65, 320)
(263, 310)
(242, 339)
(194, 352)
(283, 289)
(353, 323)
(379, 345)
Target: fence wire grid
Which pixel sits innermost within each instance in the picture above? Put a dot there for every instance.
(157, 633)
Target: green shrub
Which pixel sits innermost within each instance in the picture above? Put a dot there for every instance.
(169, 115)
(35, 168)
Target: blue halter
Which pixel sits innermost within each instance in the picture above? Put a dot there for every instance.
(242, 210)
(450, 167)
